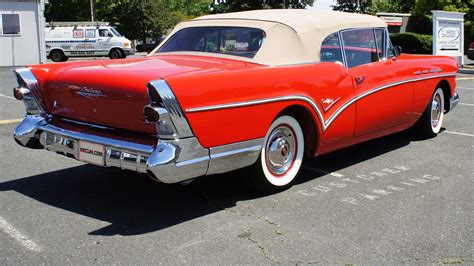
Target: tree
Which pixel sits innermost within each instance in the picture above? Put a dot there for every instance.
(421, 12)
(139, 19)
(223, 6)
(392, 6)
(68, 10)
(353, 6)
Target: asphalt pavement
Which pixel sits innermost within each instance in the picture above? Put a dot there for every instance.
(393, 200)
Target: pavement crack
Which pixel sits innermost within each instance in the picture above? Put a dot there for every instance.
(444, 261)
(261, 247)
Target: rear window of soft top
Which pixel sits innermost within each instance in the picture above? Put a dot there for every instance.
(237, 41)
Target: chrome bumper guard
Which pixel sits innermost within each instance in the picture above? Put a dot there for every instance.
(169, 161)
(453, 101)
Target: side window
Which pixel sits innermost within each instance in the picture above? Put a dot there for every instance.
(391, 50)
(78, 33)
(380, 40)
(359, 47)
(104, 33)
(90, 33)
(331, 49)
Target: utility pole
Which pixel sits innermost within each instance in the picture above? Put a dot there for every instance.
(92, 10)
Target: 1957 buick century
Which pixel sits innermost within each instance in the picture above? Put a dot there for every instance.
(258, 90)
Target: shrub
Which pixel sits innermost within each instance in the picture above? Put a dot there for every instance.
(413, 43)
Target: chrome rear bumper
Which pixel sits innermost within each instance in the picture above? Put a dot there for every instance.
(168, 161)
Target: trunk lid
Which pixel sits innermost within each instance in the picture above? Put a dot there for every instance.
(113, 93)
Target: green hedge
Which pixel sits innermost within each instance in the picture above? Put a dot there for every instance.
(413, 43)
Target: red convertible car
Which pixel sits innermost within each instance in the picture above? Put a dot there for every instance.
(257, 90)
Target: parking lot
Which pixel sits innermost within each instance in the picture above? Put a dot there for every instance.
(394, 200)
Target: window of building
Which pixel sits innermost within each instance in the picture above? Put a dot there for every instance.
(331, 49)
(10, 24)
(359, 47)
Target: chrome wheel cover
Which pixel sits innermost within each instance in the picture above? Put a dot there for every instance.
(280, 150)
(436, 110)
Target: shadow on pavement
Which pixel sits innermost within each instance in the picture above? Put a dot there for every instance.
(133, 204)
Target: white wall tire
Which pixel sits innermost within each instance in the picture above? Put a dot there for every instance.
(282, 151)
(437, 110)
(280, 158)
(431, 121)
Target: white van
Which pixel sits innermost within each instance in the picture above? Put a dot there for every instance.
(81, 39)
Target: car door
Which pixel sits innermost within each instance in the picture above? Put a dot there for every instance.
(382, 100)
(103, 41)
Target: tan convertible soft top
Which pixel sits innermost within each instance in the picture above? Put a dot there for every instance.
(293, 36)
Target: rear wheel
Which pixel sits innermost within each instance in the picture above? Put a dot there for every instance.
(280, 158)
(432, 118)
(57, 56)
(115, 54)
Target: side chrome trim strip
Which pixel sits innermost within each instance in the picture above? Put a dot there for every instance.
(325, 123)
(234, 156)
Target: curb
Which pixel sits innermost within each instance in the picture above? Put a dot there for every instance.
(466, 70)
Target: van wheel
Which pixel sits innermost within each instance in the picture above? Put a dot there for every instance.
(57, 56)
(115, 54)
(280, 158)
(431, 120)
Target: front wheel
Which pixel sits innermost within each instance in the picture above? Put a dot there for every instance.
(432, 118)
(115, 54)
(280, 157)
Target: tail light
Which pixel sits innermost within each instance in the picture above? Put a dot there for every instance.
(164, 110)
(20, 93)
(28, 91)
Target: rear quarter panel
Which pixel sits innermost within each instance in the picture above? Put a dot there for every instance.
(220, 127)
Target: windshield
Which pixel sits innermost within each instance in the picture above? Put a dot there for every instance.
(115, 32)
(238, 41)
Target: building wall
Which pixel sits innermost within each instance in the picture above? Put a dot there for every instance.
(22, 49)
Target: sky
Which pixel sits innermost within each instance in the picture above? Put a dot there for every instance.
(322, 5)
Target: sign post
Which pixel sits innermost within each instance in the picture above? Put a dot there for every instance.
(448, 34)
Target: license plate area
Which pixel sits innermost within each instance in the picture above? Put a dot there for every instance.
(91, 153)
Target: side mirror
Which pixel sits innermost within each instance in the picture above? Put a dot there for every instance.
(398, 50)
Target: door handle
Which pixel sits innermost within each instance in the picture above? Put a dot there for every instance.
(359, 79)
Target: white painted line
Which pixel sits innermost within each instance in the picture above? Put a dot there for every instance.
(10, 121)
(336, 174)
(458, 133)
(17, 235)
(466, 104)
(467, 78)
(8, 97)
(323, 171)
(464, 88)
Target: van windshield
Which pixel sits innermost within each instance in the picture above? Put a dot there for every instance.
(238, 41)
(115, 32)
